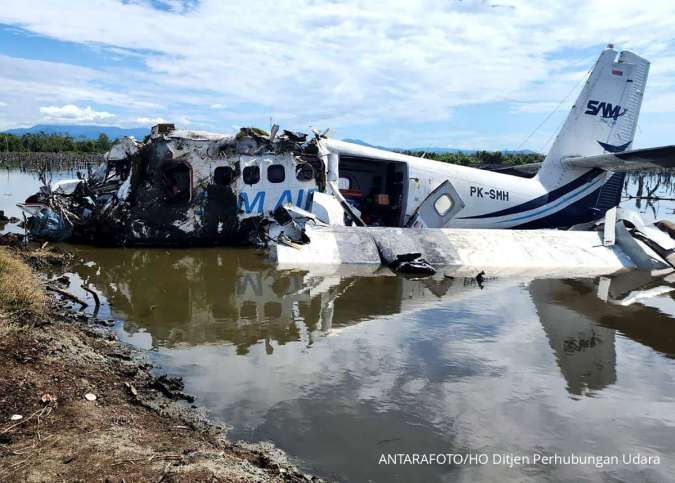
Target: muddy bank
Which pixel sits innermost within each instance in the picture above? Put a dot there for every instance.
(75, 404)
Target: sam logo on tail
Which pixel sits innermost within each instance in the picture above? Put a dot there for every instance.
(606, 109)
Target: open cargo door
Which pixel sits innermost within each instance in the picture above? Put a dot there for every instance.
(438, 208)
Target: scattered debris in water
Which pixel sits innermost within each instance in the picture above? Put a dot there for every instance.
(480, 279)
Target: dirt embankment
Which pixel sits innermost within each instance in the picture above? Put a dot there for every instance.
(77, 405)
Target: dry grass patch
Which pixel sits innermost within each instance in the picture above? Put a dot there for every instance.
(7, 328)
(20, 289)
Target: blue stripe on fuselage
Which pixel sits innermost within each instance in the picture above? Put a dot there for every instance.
(542, 200)
(581, 211)
(593, 185)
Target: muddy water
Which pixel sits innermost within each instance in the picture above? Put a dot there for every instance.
(341, 368)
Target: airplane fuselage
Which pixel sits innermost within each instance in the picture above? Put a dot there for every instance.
(496, 200)
(487, 199)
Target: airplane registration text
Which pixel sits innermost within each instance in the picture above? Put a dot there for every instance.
(493, 194)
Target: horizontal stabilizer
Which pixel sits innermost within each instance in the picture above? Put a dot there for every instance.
(650, 158)
(524, 170)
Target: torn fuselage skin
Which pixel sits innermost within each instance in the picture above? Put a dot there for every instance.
(181, 188)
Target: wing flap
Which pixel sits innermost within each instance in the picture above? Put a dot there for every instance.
(662, 157)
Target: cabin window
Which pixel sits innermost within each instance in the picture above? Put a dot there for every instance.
(223, 176)
(248, 311)
(272, 310)
(304, 172)
(443, 204)
(251, 174)
(276, 173)
(178, 183)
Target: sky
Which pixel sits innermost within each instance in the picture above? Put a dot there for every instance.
(497, 74)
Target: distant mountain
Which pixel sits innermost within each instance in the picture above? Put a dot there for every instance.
(82, 131)
(433, 149)
(427, 149)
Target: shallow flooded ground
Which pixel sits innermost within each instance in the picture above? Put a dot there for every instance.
(341, 368)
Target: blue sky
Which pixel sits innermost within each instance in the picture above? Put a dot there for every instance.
(470, 74)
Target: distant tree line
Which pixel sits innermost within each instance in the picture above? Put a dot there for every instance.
(32, 161)
(53, 143)
(60, 143)
(482, 158)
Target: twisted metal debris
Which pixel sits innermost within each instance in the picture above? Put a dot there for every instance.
(175, 188)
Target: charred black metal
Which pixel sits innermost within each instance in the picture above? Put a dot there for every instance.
(176, 188)
(412, 264)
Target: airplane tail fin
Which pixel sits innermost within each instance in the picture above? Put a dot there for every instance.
(603, 119)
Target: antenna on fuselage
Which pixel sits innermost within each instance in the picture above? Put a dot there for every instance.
(273, 132)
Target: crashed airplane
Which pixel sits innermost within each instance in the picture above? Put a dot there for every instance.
(178, 188)
(194, 188)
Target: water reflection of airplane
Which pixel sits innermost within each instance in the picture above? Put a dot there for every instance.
(189, 297)
(210, 295)
(581, 327)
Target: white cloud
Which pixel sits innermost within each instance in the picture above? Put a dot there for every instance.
(150, 121)
(29, 79)
(73, 113)
(217, 105)
(3, 104)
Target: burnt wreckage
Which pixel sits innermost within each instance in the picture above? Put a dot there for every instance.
(180, 188)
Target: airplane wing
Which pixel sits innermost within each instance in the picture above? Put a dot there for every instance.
(650, 158)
